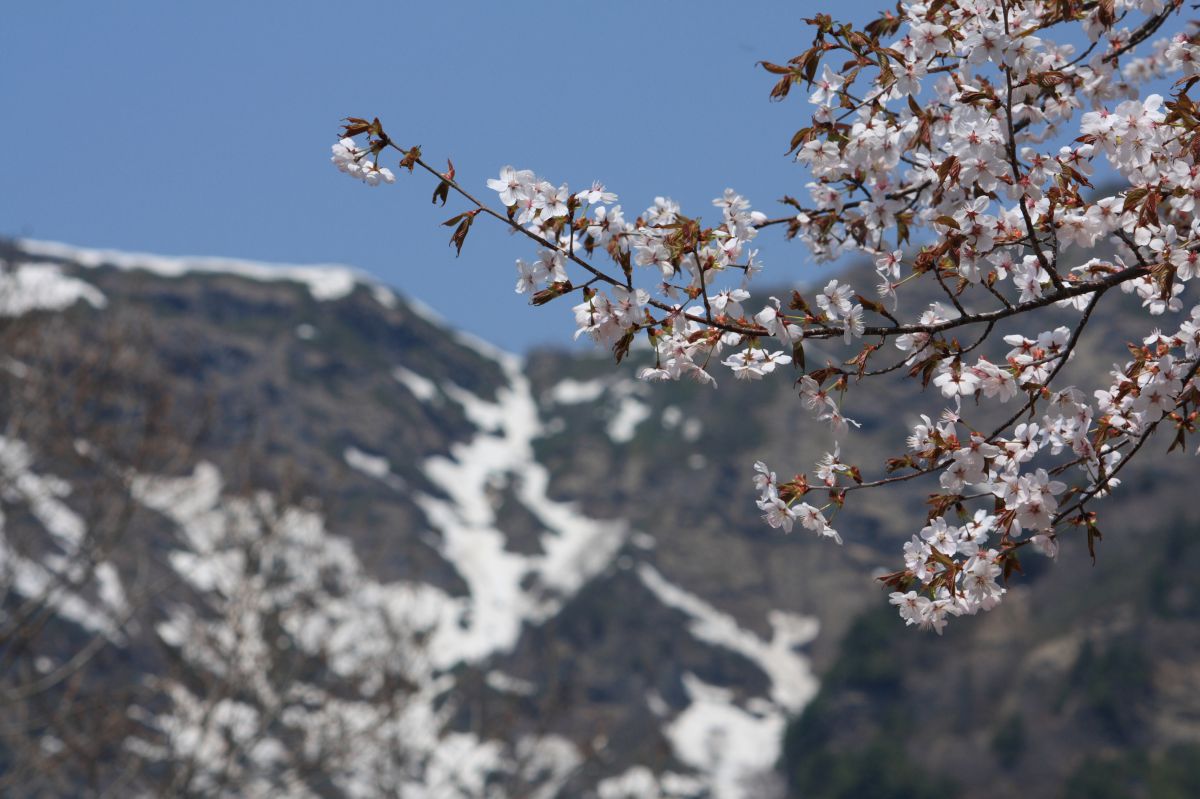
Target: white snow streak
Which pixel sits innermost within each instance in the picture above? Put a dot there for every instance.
(575, 550)
(55, 576)
(324, 281)
(572, 392)
(630, 413)
(422, 388)
(639, 782)
(727, 743)
(715, 735)
(43, 287)
(792, 680)
(375, 466)
(371, 465)
(508, 684)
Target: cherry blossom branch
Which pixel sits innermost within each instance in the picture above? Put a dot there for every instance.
(1102, 484)
(890, 158)
(1005, 425)
(1145, 31)
(1066, 356)
(596, 273)
(912, 192)
(1067, 292)
(502, 217)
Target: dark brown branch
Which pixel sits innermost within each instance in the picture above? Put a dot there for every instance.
(1146, 30)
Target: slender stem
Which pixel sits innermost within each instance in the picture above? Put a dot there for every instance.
(1016, 169)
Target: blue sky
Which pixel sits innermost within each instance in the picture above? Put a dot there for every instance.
(204, 129)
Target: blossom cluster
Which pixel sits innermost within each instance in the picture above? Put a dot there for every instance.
(955, 143)
(356, 163)
(783, 513)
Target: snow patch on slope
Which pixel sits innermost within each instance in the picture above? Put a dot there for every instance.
(506, 590)
(572, 392)
(630, 413)
(792, 680)
(369, 634)
(422, 388)
(374, 466)
(371, 465)
(43, 287)
(508, 684)
(502, 596)
(714, 734)
(729, 744)
(639, 782)
(55, 577)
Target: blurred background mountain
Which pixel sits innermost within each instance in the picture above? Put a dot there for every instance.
(285, 533)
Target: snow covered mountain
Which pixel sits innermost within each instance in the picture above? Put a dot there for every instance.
(339, 564)
(278, 531)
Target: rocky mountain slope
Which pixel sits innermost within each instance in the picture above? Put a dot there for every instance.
(278, 531)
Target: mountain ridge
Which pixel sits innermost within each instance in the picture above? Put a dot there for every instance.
(362, 553)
